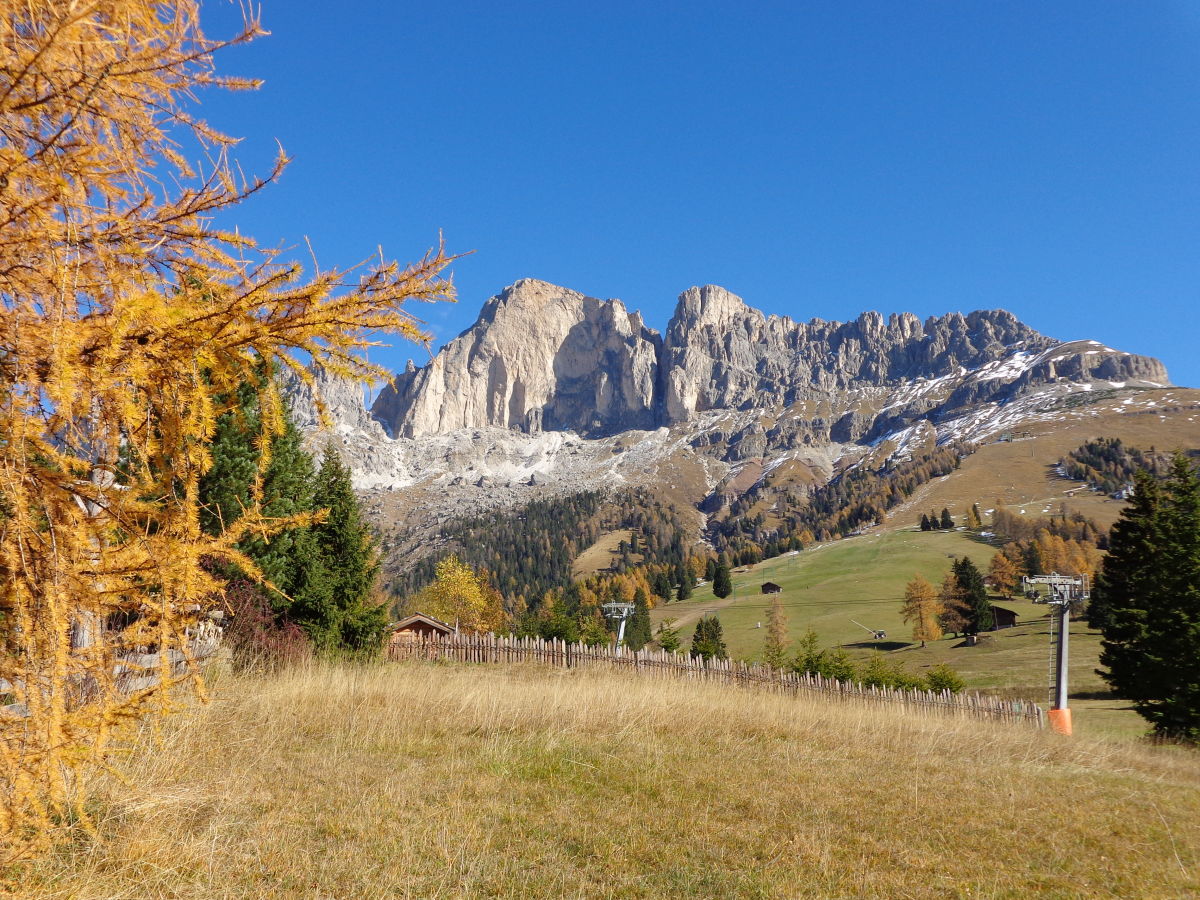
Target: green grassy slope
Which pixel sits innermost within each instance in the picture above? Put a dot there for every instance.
(829, 587)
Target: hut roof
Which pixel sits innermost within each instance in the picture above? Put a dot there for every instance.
(421, 619)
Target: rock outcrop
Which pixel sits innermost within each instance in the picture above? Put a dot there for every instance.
(544, 358)
(721, 354)
(540, 357)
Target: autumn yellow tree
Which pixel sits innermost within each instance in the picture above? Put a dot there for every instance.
(461, 597)
(954, 615)
(922, 608)
(1004, 574)
(124, 314)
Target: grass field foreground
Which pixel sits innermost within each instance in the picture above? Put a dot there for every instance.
(423, 780)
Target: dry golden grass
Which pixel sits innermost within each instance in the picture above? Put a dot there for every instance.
(440, 781)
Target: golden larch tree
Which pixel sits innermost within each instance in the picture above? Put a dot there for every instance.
(1004, 573)
(124, 314)
(922, 608)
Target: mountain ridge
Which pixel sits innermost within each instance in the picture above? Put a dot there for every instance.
(552, 392)
(545, 358)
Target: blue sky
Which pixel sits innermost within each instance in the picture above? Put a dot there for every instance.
(819, 159)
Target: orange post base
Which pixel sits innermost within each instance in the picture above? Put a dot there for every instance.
(1060, 720)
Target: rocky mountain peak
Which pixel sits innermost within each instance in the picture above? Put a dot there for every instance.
(545, 358)
(539, 357)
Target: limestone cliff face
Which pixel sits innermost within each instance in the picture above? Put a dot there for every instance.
(540, 357)
(721, 354)
(345, 403)
(544, 358)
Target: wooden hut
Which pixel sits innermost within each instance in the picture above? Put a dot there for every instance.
(770, 587)
(1004, 617)
(416, 628)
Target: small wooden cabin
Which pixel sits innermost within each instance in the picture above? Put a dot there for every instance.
(416, 628)
(1004, 617)
(770, 587)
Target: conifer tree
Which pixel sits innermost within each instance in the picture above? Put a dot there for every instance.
(128, 318)
(922, 608)
(974, 596)
(947, 523)
(637, 631)
(346, 548)
(1004, 574)
(668, 637)
(685, 587)
(1149, 595)
(925, 526)
(776, 643)
(955, 614)
(708, 641)
(973, 521)
(722, 583)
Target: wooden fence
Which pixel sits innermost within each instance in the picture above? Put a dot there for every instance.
(491, 648)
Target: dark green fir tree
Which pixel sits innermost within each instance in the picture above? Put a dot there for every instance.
(637, 630)
(722, 584)
(1148, 599)
(708, 640)
(975, 600)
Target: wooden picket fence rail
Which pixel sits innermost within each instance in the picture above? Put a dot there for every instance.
(492, 648)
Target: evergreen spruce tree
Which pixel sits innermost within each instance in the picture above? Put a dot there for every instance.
(637, 631)
(710, 569)
(722, 583)
(1149, 602)
(708, 641)
(661, 585)
(974, 596)
(347, 548)
(668, 637)
(925, 526)
(947, 522)
(685, 588)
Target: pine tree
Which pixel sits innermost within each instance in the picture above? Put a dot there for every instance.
(129, 315)
(947, 523)
(286, 489)
(710, 569)
(955, 614)
(708, 641)
(974, 596)
(776, 643)
(1149, 595)
(347, 549)
(685, 588)
(922, 608)
(722, 583)
(973, 521)
(637, 631)
(1004, 574)
(925, 526)
(668, 637)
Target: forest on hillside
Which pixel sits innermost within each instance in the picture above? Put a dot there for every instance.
(528, 552)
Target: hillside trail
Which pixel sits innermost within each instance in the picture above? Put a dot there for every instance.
(694, 614)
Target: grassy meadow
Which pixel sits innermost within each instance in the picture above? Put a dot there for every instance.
(429, 781)
(862, 579)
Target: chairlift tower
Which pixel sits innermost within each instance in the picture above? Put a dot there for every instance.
(619, 613)
(1065, 591)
